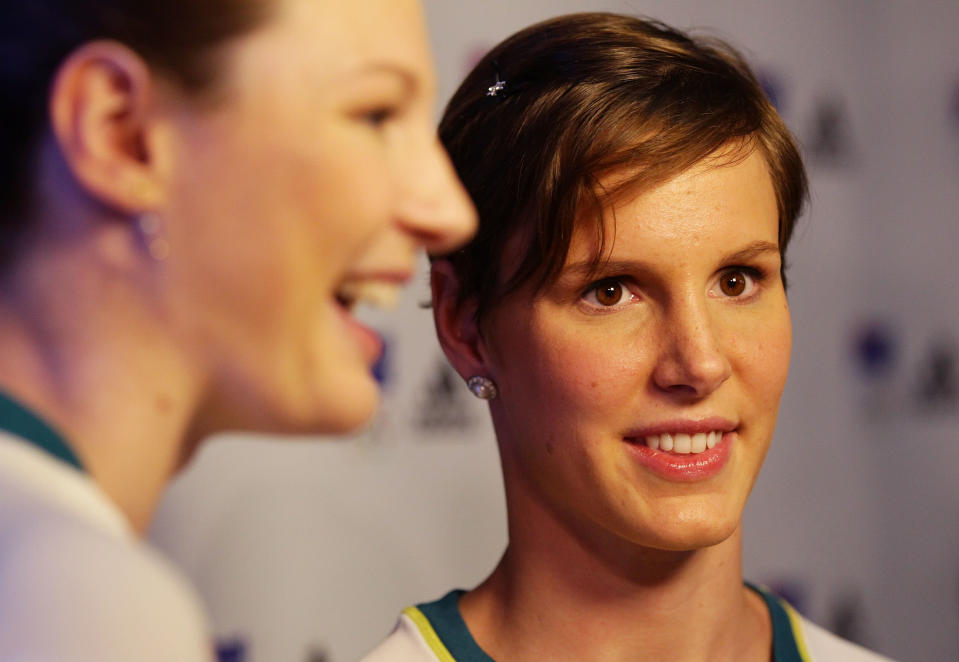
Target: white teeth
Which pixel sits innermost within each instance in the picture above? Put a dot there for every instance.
(683, 443)
(698, 444)
(666, 442)
(374, 293)
(713, 438)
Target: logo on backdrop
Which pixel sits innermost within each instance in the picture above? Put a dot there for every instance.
(847, 617)
(318, 655)
(938, 381)
(236, 649)
(381, 369)
(233, 649)
(875, 347)
(823, 125)
(828, 137)
(445, 405)
(897, 383)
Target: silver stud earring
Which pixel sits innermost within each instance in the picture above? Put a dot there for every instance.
(151, 229)
(482, 387)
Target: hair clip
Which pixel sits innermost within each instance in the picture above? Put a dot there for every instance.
(497, 87)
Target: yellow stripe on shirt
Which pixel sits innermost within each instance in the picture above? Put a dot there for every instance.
(796, 622)
(429, 634)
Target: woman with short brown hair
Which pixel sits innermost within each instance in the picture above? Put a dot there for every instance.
(623, 310)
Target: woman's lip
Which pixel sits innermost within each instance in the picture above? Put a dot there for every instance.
(368, 340)
(399, 276)
(683, 426)
(683, 467)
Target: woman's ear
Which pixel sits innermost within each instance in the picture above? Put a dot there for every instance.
(456, 326)
(100, 114)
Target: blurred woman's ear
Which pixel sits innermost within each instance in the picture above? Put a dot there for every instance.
(456, 325)
(100, 115)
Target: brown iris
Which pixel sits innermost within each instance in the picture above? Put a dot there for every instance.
(733, 283)
(609, 293)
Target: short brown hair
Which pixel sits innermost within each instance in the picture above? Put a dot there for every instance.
(587, 95)
(179, 39)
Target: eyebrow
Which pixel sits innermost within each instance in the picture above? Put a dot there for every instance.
(753, 250)
(410, 83)
(586, 267)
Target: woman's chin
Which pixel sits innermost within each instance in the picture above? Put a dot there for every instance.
(346, 408)
(691, 536)
(333, 409)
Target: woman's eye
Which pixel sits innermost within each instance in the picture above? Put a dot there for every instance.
(738, 282)
(377, 117)
(607, 293)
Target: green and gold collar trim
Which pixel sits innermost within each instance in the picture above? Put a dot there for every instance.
(442, 626)
(23, 423)
(788, 642)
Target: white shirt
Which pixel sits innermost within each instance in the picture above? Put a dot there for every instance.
(437, 633)
(76, 583)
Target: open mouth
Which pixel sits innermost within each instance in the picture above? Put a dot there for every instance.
(682, 443)
(375, 293)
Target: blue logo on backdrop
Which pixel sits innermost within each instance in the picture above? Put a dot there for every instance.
(231, 650)
(236, 650)
(381, 369)
(896, 383)
(875, 348)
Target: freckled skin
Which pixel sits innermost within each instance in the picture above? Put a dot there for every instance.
(573, 382)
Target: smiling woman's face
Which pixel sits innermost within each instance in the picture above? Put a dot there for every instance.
(639, 403)
(312, 184)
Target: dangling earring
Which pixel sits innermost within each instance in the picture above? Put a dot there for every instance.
(482, 387)
(150, 226)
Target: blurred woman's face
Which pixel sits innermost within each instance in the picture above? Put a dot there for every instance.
(638, 404)
(310, 186)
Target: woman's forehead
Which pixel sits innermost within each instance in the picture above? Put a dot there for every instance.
(343, 36)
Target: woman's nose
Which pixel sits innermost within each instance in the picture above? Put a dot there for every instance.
(435, 208)
(692, 361)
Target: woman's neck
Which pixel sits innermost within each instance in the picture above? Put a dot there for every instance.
(79, 349)
(552, 597)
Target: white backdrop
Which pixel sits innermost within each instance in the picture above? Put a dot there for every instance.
(306, 551)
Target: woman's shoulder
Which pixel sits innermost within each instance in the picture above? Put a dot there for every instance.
(74, 581)
(823, 646)
(429, 632)
(404, 644)
(797, 639)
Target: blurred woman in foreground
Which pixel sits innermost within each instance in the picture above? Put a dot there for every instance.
(623, 310)
(194, 195)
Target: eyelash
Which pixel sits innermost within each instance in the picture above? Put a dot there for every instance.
(753, 274)
(379, 116)
(602, 283)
